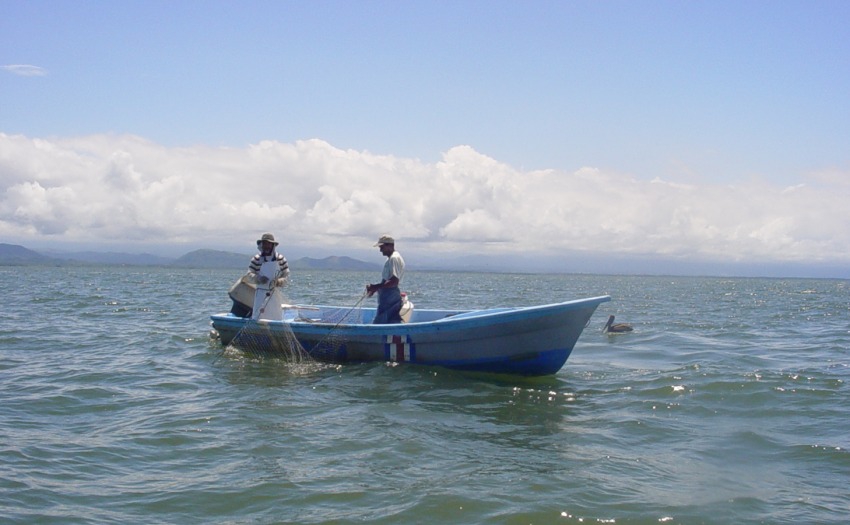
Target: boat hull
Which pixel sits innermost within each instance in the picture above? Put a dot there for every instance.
(533, 340)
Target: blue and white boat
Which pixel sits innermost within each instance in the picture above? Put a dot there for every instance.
(531, 340)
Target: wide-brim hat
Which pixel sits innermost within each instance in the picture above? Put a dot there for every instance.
(385, 239)
(267, 237)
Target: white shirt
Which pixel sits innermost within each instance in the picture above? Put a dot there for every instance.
(394, 267)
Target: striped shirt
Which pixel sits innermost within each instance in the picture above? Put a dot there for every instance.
(282, 266)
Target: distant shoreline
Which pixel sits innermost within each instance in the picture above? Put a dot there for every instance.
(578, 264)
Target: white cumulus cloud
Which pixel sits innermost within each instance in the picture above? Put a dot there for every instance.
(109, 188)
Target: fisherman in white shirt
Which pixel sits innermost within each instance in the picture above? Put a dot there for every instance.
(389, 294)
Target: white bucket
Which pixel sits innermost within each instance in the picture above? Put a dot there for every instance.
(406, 308)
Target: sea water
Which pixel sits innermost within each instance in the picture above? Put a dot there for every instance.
(728, 403)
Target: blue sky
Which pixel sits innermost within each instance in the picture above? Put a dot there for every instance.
(739, 111)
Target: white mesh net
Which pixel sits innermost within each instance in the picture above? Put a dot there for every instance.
(260, 339)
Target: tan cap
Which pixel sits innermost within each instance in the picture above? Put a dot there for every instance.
(385, 239)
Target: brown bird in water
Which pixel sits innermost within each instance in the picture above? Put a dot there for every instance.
(619, 328)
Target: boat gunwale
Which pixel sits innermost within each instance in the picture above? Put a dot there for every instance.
(464, 320)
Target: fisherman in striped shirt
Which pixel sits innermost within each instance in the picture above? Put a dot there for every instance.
(269, 271)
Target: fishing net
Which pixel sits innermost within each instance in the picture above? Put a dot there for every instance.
(256, 339)
(260, 339)
(331, 345)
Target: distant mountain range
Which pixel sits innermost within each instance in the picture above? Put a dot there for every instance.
(15, 255)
